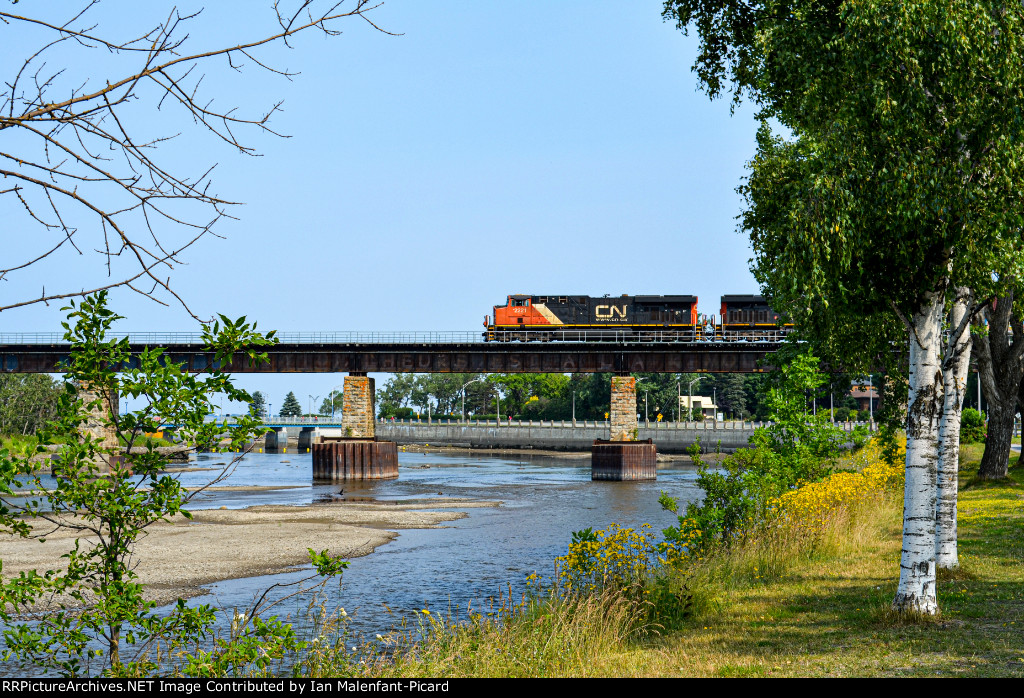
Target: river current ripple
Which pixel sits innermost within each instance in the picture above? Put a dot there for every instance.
(543, 499)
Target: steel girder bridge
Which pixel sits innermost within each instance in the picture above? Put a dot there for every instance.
(423, 352)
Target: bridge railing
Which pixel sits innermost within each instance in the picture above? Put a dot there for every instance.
(707, 424)
(314, 338)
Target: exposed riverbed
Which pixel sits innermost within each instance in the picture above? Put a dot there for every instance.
(538, 501)
(454, 528)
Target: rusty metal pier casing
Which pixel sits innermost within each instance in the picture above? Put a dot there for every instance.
(623, 460)
(355, 459)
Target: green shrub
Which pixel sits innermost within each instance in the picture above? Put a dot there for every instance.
(972, 426)
(798, 447)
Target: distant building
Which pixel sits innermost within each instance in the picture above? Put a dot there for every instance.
(866, 396)
(705, 404)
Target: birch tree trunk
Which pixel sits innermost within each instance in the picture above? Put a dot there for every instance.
(954, 388)
(916, 590)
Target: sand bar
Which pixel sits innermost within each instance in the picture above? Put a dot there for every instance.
(180, 558)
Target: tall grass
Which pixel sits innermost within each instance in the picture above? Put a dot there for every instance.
(818, 521)
(621, 588)
(548, 635)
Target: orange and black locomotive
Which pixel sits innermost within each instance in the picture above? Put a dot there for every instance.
(589, 318)
(579, 318)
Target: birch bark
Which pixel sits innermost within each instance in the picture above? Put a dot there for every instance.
(954, 388)
(916, 590)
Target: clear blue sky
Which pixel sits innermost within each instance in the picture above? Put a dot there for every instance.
(491, 148)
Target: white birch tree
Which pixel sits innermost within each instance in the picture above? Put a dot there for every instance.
(954, 380)
(897, 179)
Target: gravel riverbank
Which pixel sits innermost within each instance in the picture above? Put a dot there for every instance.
(180, 557)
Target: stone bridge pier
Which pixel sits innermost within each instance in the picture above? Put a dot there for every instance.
(623, 457)
(99, 425)
(357, 454)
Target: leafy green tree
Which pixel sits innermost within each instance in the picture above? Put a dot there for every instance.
(110, 495)
(518, 388)
(593, 394)
(290, 407)
(480, 397)
(27, 402)
(258, 406)
(896, 187)
(395, 394)
(332, 404)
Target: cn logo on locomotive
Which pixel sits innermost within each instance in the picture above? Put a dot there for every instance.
(609, 312)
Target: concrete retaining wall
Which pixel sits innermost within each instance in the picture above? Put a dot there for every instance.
(555, 437)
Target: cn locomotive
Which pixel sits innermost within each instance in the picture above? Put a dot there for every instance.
(750, 318)
(579, 318)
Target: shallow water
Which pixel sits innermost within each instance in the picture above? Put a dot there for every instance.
(543, 499)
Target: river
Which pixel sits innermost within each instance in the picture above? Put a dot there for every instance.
(543, 499)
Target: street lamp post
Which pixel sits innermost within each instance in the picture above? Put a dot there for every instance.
(475, 380)
(871, 402)
(574, 408)
(311, 398)
(689, 392)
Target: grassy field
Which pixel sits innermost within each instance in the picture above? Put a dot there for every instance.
(820, 610)
(831, 617)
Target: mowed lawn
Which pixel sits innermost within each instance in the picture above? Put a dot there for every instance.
(831, 617)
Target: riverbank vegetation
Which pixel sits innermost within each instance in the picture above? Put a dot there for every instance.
(788, 566)
(806, 592)
(112, 485)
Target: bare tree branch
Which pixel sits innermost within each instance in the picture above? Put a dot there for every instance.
(83, 165)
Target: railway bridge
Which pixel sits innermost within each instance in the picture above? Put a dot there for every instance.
(359, 354)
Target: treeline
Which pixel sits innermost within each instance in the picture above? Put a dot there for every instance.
(27, 402)
(586, 395)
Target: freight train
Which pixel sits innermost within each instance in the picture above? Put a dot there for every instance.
(632, 318)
